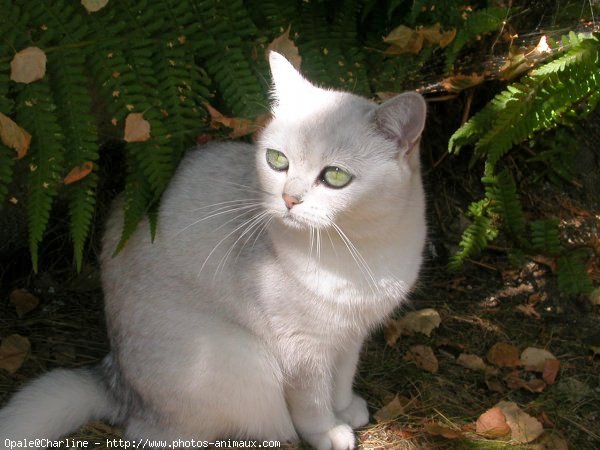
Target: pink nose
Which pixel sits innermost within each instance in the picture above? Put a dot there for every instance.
(290, 201)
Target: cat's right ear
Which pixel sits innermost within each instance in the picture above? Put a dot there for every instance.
(290, 88)
(402, 119)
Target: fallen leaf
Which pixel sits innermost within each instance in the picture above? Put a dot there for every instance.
(504, 355)
(495, 385)
(550, 372)
(423, 357)
(460, 82)
(529, 310)
(472, 362)
(524, 428)
(28, 65)
(23, 301)
(422, 321)
(492, 423)
(13, 351)
(435, 36)
(240, 127)
(404, 40)
(547, 261)
(79, 172)
(137, 129)
(595, 297)
(551, 441)
(439, 430)
(94, 5)
(393, 409)
(13, 136)
(516, 63)
(391, 332)
(286, 47)
(534, 358)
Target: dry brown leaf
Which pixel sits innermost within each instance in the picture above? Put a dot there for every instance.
(137, 129)
(28, 65)
(94, 5)
(492, 423)
(595, 297)
(423, 357)
(523, 427)
(495, 385)
(404, 40)
(550, 372)
(391, 332)
(79, 172)
(23, 301)
(13, 136)
(551, 441)
(435, 36)
(422, 321)
(240, 127)
(439, 430)
(529, 310)
(457, 83)
(285, 46)
(13, 351)
(472, 362)
(516, 63)
(504, 355)
(393, 409)
(534, 358)
(514, 381)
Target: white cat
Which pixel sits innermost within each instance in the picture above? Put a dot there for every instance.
(271, 264)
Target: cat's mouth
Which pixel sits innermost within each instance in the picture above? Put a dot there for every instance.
(300, 222)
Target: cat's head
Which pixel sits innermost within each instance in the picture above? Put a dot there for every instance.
(330, 156)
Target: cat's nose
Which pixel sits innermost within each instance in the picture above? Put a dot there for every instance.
(291, 201)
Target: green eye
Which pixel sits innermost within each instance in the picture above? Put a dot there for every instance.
(335, 177)
(277, 160)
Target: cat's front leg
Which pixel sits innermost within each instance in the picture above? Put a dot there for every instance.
(348, 406)
(310, 405)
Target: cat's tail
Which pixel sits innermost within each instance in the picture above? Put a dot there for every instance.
(54, 405)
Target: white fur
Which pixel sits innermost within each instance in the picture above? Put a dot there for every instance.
(244, 319)
(53, 405)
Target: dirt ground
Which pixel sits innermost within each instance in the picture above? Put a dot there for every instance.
(492, 301)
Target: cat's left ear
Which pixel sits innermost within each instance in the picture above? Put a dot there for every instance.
(402, 119)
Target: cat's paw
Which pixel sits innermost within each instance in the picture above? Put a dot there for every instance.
(356, 414)
(340, 437)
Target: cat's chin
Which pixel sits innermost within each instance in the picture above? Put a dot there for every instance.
(299, 222)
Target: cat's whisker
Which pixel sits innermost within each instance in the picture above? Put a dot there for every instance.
(262, 230)
(256, 231)
(358, 258)
(215, 214)
(249, 225)
(242, 187)
(229, 202)
(225, 238)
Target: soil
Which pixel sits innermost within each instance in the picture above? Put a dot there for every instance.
(494, 299)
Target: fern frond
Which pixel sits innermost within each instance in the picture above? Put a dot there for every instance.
(7, 162)
(35, 112)
(537, 102)
(477, 23)
(572, 275)
(582, 50)
(501, 191)
(545, 236)
(138, 200)
(476, 236)
(69, 83)
(7, 155)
